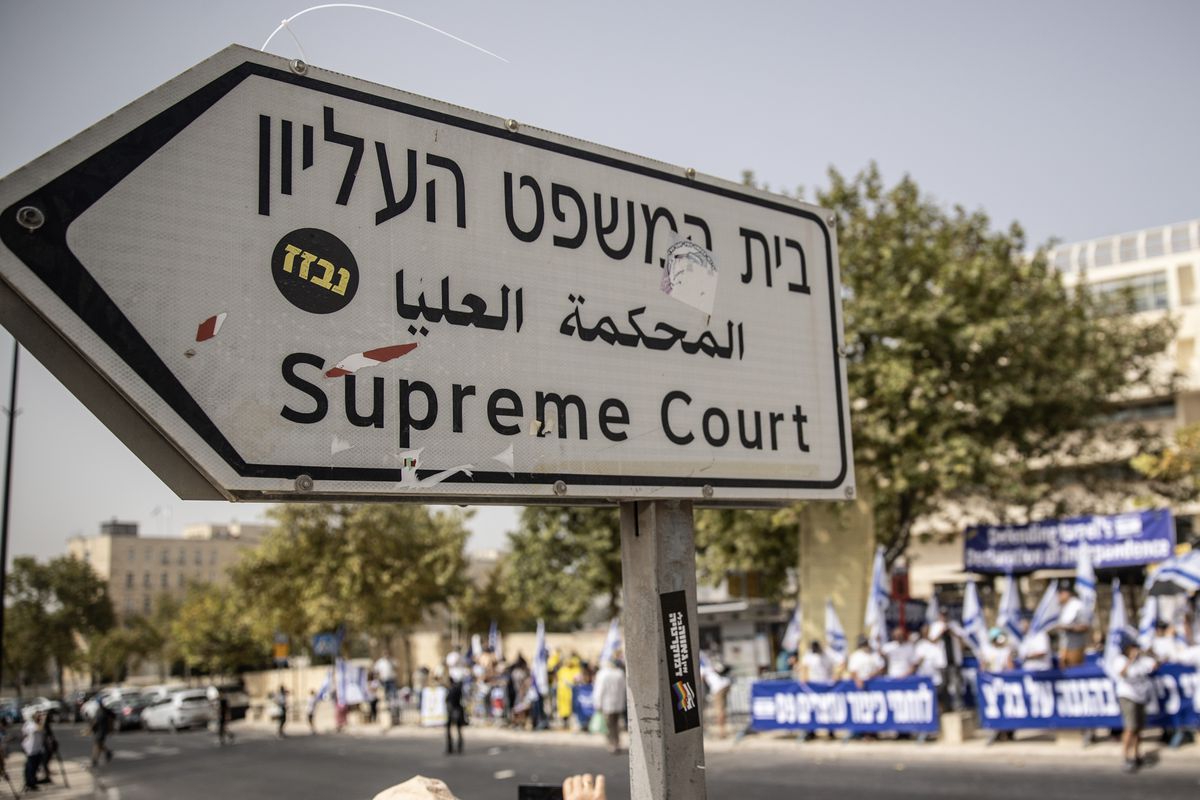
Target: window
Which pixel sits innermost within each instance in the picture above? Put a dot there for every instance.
(1154, 244)
(164, 580)
(182, 556)
(1129, 249)
(1081, 257)
(1104, 253)
(146, 604)
(1147, 292)
(212, 557)
(1181, 239)
(132, 553)
(128, 580)
(166, 557)
(199, 558)
(146, 580)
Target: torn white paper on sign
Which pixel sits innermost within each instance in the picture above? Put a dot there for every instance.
(689, 274)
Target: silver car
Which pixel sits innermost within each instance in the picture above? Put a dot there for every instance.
(181, 710)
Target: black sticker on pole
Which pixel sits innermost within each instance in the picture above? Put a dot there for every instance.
(678, 635)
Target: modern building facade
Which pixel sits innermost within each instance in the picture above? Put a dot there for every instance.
(140, 569)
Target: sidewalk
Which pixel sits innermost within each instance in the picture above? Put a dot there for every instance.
(79, 780)
(1031, 748)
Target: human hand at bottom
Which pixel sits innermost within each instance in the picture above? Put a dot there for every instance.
(584, 787)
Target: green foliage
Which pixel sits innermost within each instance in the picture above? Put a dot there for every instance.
(481, 604)
(217, 634)
(375, 569)
(764, 542)
(561, 559)
(111, 655)
(969, 362)
(1174, 470)
(52, 607)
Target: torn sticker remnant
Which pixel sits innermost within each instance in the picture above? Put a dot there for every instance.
(369, 358)
(689, 274)
(338, 445)
(208, 329)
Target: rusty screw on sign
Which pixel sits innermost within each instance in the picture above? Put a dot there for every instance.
(30, 218)
(298, 66)
(304, 483)
(560, 487)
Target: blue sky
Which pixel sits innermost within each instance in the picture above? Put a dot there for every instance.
(1077, 119)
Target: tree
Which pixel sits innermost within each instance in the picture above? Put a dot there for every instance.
(217, 634)
(374, 569)
(973, 370)
(765, 542)
(1174, 469)
(562, 559)
(58, 604)
(481, 604)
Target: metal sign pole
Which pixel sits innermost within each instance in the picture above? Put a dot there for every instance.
(658, 563)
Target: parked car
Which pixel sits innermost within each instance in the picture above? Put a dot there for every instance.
(163, 691)
(53, 709)
(128, 710)
(181, 710)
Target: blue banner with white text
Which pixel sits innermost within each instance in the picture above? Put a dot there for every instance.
(581, 704)
(883, 705)
(1120, 540)
(1082, 697)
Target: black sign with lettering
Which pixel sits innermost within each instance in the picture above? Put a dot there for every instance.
(685, 700)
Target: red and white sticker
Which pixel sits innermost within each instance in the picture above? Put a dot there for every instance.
(369, 358)
(208, 329)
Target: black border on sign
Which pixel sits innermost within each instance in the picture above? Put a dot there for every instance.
(69, 195)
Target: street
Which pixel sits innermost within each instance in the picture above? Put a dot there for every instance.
(189, 766)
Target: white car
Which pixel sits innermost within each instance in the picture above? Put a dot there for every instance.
(181, 710)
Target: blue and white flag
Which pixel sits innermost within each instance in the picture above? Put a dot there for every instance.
(835, 636)
(612, 642)
(1118, 630)
(791, 636)
(1178, 575)
(350, 682)
(495, 641)
(541, 658)
(1085, 582)
(1048, 610)
(933, 611)
(1008, 615)
(875, 619)
(1146, 622)
(974, 628)
(476, 644)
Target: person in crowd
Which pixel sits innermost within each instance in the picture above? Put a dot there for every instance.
(608, 697)
(456, 716)
(101, 727)
(220, 712)
(340, 712)
(385, 672)
(864, 663)
(1164, 646)
(996, 655)
(1073, 627)
(1135, 689)
(311, 711)
(568, 672)
(816, 666)
(717, 682)
(785, 660)
(281, 704)
(373, 687)
(33, 742)
(1034, 650)
(51, 748)
(900, 654)
(931, 662)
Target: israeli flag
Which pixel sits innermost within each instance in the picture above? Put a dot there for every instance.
(1146, 621)
(973, 626)
(1008, 615)
(1085, 581)
(932, 610)
(1178, 575)
(835, 636)
(541, 658)
(1118, 629)
(495, 641)
(323, 692)
(476, 644)
(791, 636)
(875, 619)
(612, 642)
(1048, 610)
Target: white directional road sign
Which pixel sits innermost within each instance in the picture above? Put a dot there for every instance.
(277, 282)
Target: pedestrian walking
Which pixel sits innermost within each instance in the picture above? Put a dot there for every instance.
(281, 701)
(608, 698)
(456, 717)
(312, 711)
(101, 727)
(220, 711)
(33, 742)
(1135, 689)
(50, 742)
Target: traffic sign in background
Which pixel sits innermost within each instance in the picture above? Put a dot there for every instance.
(298, 284)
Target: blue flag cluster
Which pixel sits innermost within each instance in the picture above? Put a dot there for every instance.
(883, 705)
(1082, 697)
(1121, 540)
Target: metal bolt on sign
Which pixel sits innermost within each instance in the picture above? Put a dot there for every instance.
(304, 483)
(512, 125)
(560, 488)
(30, 218)
(298, 66)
